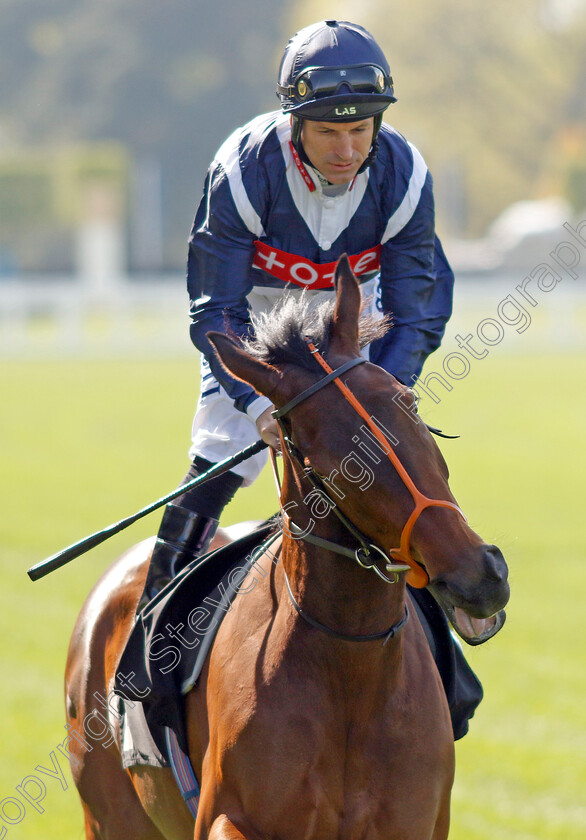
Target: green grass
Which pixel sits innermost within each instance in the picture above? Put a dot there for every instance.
(84, 443)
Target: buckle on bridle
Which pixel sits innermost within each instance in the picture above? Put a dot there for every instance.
(363, 558)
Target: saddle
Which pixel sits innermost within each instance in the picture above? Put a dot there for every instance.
(172, 637)
(173, 634)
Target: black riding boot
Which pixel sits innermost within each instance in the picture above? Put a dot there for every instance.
(183, 535)
(188, 527)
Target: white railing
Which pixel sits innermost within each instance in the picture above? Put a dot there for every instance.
(58, 316)
(61, 317)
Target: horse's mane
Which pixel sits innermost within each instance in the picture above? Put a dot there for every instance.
(279, 334)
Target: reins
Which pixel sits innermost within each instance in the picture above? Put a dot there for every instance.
(416, 574)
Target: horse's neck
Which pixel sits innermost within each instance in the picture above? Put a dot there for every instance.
(334, 589)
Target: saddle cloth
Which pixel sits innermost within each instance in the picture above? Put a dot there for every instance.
(172, 637)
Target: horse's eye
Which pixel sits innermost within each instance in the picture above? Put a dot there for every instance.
(410, 393)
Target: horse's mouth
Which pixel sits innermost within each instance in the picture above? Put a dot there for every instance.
(474, 631)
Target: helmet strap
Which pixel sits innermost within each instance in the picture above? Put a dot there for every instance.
(296, 128)
(378, 121)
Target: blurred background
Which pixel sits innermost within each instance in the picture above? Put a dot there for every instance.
(110, 113)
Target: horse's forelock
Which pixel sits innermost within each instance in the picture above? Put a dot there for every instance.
(279, 334)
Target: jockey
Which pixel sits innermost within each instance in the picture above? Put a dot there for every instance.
(286, 195)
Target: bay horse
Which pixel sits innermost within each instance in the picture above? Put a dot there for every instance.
(319, 712)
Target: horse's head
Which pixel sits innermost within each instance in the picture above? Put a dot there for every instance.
(381, 465)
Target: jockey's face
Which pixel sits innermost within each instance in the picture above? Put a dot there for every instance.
(337, 150)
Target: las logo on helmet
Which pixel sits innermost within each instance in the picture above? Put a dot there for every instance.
(345, 111)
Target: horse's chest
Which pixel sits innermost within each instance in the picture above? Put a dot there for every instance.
(332, 769)
(314, 752)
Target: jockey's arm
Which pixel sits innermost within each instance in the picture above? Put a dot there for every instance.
(220, 254)
(416, 290)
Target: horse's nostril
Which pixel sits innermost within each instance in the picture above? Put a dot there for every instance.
(495, 566)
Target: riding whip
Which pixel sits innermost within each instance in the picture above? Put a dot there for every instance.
(71, 552)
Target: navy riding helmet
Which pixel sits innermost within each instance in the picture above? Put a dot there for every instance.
(334, 71)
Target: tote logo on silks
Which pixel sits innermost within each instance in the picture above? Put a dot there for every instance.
(291, 268)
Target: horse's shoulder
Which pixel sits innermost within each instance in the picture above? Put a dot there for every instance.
(125, 576)
(111, 603)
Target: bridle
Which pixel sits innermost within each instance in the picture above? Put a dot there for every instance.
(367, 553)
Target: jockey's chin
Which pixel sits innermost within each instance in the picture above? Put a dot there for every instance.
(341, 173)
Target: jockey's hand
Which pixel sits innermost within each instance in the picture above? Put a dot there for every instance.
(268, 429)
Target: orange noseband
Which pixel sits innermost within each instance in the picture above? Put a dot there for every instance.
(417, 576)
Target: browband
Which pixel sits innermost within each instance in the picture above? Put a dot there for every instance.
(317, 386)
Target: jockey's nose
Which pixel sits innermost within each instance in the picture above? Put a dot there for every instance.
(344, 148)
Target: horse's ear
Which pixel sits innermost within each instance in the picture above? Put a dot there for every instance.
(263, 378)
(344, 333)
